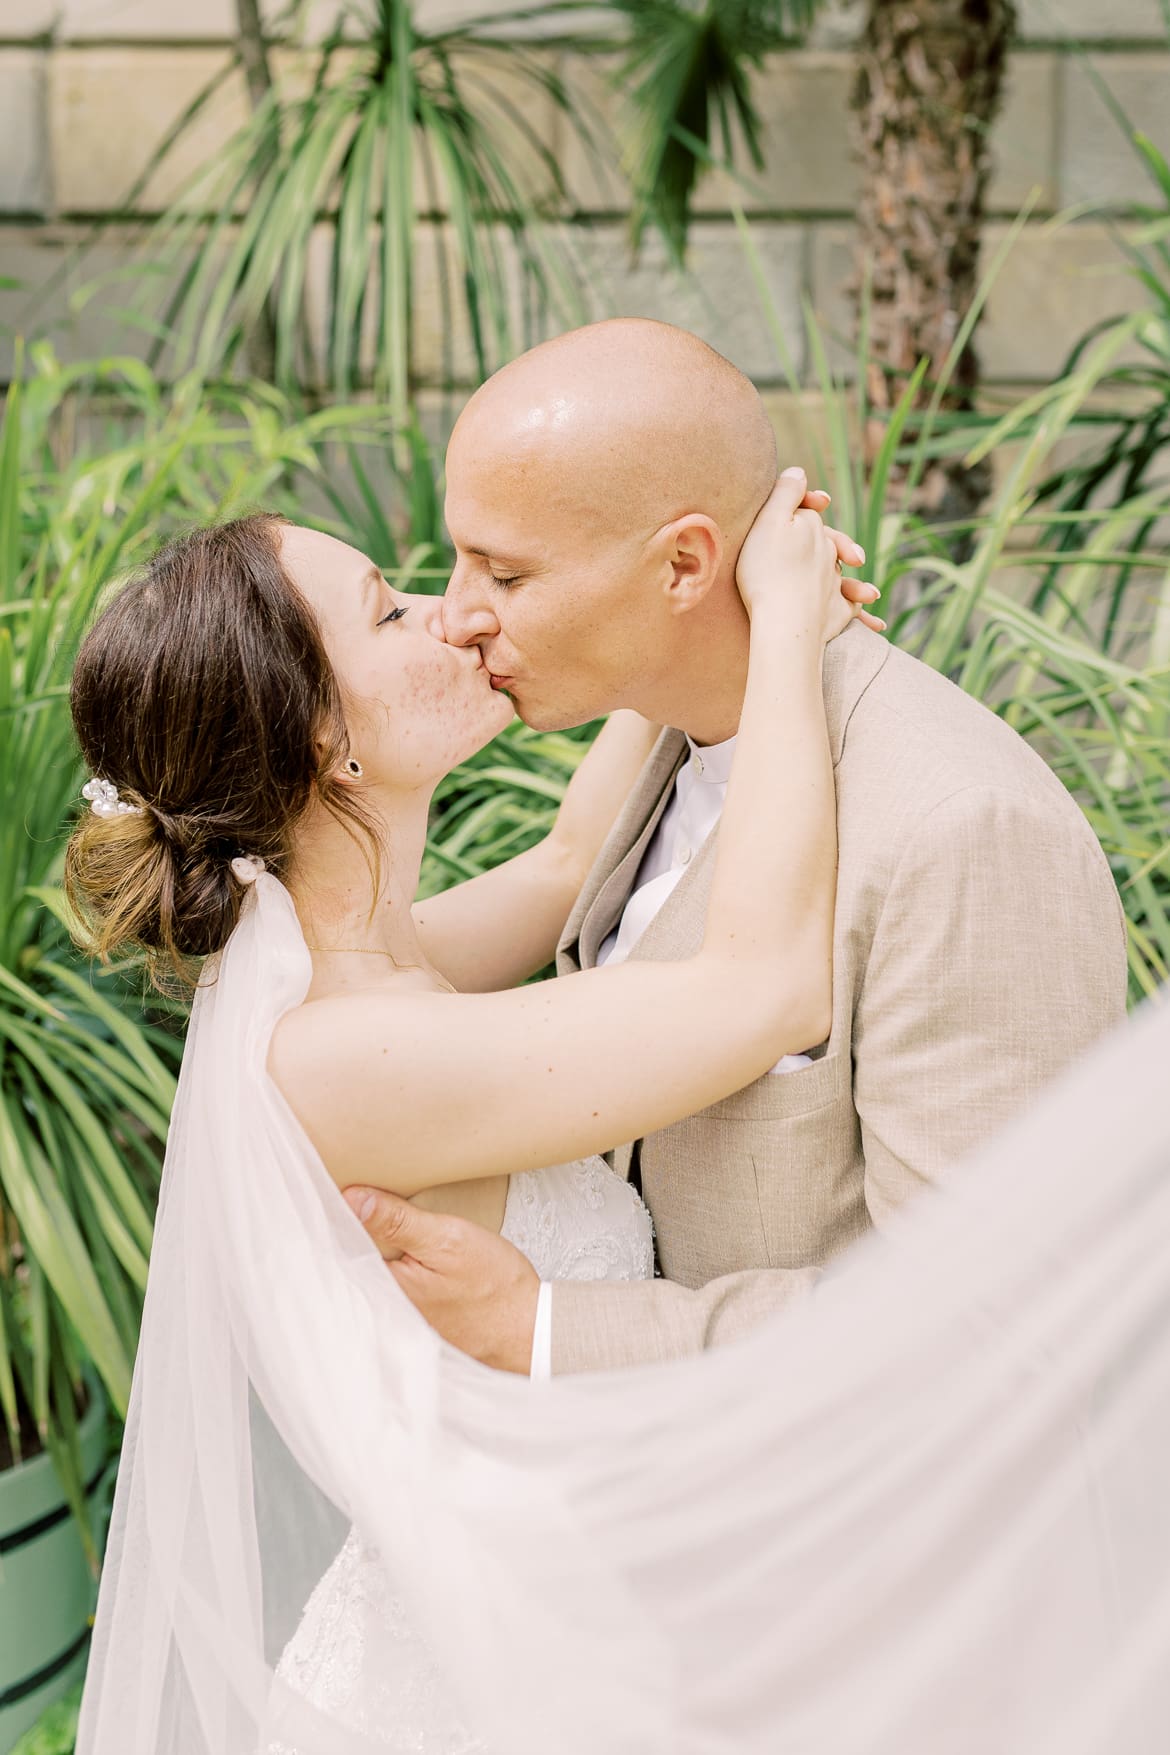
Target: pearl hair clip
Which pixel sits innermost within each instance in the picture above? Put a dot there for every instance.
(247, 867)
(104, 801)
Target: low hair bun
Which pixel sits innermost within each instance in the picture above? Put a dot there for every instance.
(136, 887)
(174, 829)
(204, 694)
(199, 902)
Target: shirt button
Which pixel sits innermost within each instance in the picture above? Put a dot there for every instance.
(684, 857)
(698, 764)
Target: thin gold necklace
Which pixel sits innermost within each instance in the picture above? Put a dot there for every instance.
(352, 951)
(371, 951)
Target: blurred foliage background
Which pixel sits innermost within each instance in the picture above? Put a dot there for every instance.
(1020, 544)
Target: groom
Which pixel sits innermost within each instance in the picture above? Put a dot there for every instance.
(979, 942)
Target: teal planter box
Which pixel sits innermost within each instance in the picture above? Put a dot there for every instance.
(46, 1591)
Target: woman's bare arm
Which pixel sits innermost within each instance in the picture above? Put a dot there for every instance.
(496, 930)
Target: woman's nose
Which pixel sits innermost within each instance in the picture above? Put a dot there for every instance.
(467, 616)
(426, 611)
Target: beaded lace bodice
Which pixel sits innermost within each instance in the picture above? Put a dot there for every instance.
(579, 1222)
(354, 1653)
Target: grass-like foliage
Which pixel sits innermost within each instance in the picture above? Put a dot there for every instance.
(1056, 613)
(55, 1732)
(87, 1070)
(317, 198)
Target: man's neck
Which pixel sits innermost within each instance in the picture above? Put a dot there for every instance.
(701, 691)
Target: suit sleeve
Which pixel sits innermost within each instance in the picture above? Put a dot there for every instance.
(648, 1322)
(998, 957)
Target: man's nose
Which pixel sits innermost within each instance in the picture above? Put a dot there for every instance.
(468, 616)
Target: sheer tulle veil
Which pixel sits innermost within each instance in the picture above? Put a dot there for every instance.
(923, 1513)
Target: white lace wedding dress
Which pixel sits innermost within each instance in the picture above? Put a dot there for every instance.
(354, 1653)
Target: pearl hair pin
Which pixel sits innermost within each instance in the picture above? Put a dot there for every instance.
(104, 801)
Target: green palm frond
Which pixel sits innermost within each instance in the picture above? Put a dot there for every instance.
(500, 803)
(688, 71)
(322, 214)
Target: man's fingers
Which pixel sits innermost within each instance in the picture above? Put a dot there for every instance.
(410, 1275)
(394, 1224)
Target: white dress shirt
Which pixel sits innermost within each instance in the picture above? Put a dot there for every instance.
(693, 811)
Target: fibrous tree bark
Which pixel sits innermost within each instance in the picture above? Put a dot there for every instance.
(929, 84)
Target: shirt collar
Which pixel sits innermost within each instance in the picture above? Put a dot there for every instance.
(711, 763)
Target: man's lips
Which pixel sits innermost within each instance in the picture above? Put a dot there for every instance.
(500, 682)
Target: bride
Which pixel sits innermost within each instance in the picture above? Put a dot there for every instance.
(261, 700)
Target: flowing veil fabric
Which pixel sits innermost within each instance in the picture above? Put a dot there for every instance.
(926, 1512)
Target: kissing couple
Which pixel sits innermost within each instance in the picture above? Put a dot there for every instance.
(822, 925)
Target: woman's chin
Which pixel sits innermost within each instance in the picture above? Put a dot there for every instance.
(489, 726)
(503, 712)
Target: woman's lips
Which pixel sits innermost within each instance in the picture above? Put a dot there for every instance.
(501, 682)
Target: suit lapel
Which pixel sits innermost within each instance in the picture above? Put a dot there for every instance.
(609, 883)
(676, 931)
(852, 661)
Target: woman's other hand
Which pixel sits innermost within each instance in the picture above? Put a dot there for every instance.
(790, 541)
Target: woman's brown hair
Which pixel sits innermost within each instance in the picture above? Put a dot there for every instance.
(203, 692)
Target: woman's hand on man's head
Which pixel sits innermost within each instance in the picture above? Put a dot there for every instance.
(789, 540)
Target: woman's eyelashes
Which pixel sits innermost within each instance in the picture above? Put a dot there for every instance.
(394, 615)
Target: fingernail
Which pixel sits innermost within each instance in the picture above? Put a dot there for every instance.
(793, 469)
(859, 552)
(361, 1202)
(874, 594)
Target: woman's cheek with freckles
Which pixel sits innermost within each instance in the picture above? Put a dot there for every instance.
(437, 699)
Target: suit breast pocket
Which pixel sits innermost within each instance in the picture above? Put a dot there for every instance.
(785, 1096)
(769, 1177)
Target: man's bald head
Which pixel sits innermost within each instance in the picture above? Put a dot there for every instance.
(599, 489)
(636, 420)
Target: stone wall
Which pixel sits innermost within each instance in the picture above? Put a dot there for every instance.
(89, 87)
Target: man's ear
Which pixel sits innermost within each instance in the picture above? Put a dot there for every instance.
(693, 550)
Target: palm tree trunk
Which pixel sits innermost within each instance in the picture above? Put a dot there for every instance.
(930, 80)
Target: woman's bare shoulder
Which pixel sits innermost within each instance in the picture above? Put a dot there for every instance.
(325, 1024)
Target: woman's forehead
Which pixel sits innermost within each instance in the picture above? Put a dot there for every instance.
(321, 565)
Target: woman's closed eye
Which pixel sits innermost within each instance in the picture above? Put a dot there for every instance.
(394, 615)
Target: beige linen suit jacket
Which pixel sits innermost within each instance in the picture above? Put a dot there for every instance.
(979, 946)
